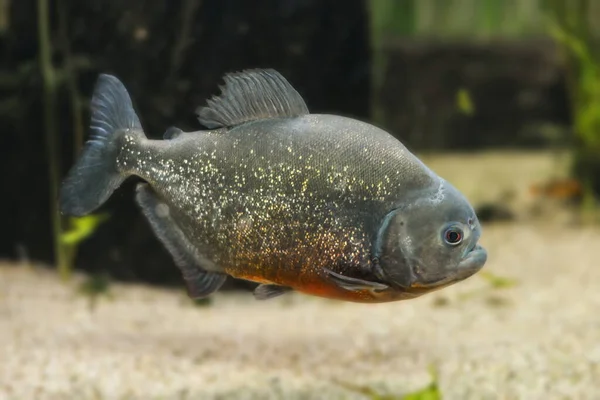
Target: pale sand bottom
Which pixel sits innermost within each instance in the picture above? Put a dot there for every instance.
(537, 340)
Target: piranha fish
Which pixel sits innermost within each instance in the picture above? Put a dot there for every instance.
(320, 204)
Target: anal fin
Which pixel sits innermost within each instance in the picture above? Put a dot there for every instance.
(266, 291)
(199, 282)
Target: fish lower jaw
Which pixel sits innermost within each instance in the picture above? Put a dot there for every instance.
(474, 261)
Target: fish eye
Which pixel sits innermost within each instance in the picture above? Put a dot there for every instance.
(453, 236)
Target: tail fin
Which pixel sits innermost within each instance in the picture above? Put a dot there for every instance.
(95, 176)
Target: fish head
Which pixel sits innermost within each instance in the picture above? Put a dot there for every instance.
(430, 241)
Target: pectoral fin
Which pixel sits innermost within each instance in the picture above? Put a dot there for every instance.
(193, 266)
(267, 291)
(354, 284)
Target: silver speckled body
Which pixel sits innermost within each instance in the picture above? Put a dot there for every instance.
(277, 200)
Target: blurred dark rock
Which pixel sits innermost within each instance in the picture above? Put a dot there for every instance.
(492, 212)
(517, 89)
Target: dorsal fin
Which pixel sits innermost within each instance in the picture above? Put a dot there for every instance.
(251, 95)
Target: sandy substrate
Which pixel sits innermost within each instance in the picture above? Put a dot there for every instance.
(539, 339)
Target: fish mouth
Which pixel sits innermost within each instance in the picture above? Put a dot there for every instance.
(471, 263)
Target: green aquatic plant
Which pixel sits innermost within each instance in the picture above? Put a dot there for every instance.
(496, 281)
(203, 302)
(80, 228)
(94, 287)
(53, 79)
(69, 75)
(50, 85)
(490, 292)
(567, 24)
(388, 18)
(464, 102)
(431, 391)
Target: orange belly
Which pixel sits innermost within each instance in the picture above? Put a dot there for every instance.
(318, 285)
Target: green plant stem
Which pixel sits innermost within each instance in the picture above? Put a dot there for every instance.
(76, 110)
(571, 31)
(387, 18)
(4, 15)
(188, 12)
(50, 128)
(378, 59)
(71, 79)
(492, 11)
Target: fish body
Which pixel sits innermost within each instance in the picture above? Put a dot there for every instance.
(321, 204)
